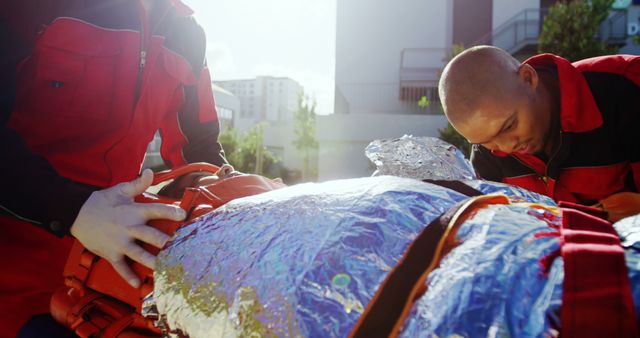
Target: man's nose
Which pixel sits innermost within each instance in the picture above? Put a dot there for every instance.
(505, 144)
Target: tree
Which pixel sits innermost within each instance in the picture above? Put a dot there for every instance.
(305, 130)
(246, 152)
(570, 28)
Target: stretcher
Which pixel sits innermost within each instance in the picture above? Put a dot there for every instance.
(365, 258)
(97, 301)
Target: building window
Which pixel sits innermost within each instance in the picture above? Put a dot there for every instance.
(224, 113)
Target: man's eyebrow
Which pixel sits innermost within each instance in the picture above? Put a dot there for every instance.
(504, 125)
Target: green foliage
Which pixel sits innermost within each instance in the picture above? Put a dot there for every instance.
(305, 125)
(424, 102)
(243, 152)
(305, 131)
(450, 135)
(570, 27)
(456, 49)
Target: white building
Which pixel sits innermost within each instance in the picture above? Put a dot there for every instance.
(227, 106)
(630, 18)
(389, 54)
(263, 99)
(273, 100)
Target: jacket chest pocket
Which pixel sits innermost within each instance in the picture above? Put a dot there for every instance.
(69, 79)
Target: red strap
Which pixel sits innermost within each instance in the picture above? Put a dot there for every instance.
(596, 300)
(593, 211)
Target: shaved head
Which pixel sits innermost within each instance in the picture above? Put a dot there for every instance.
(493, 100)
(474, 76)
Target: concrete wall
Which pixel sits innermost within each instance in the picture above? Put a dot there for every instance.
(343, 138)
(370, 37)
(280, 139)
(472, 20)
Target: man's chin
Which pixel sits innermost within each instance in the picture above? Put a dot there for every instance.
(534, 149)
(527, 149)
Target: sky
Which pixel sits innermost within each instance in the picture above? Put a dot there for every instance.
(289, 38)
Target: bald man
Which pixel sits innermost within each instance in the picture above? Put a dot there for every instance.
(570, 131)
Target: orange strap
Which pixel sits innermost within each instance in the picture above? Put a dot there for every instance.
(386, 312)
(114, 312)
(183, 170)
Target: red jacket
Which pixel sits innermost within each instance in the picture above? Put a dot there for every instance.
(99, 80)
(600, 125)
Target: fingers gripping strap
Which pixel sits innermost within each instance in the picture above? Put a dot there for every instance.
(183, 170)
(117, 311)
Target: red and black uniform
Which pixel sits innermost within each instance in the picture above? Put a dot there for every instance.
(85, 85)
(599, 151)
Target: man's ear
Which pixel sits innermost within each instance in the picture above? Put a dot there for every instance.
(528, 75)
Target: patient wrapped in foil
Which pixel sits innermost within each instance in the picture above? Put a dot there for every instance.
(306, 260)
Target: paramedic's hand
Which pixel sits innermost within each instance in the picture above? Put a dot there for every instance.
(176, 188)
(110, 222)
(621, 205)
(225, 171)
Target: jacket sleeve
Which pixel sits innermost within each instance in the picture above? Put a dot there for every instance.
(192, 136)
(630, 126)
(32, 191)
(485, 164)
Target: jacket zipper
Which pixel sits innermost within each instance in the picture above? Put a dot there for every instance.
(143, 57)
(143, 51)
(528, 166)
(546, 168)
(545, 177)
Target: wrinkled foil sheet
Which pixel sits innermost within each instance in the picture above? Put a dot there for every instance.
(299, 261)
(629, 231)
(306, 260)
(492, 284)
(515, 194)
(432, 158)
(419, 158)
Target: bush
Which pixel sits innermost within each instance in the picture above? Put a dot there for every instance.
(570, 29)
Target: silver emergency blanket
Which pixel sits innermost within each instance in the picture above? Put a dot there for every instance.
(307, 259)
(492, 284)
(299, 261)
(629, 231)
(419, 158)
